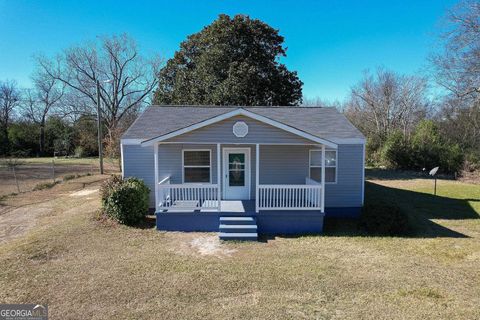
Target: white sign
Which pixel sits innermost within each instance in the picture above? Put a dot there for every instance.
(433, 171)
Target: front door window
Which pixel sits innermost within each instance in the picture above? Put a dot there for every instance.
(236, 169)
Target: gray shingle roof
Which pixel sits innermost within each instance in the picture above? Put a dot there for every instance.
(326, 123)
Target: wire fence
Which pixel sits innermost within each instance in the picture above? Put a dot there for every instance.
(22, 175)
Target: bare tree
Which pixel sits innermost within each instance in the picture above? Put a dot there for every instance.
(115, 59)
(9, 99)
(457, 64)
(456, 67)
(317, 102)
(386, 101)
(40, 101)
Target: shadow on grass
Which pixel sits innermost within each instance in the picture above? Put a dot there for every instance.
(388, 174)
(419, 207)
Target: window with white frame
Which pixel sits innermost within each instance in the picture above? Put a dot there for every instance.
(196, 166)
(330, 165)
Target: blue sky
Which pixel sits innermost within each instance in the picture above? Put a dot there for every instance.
(329, 43)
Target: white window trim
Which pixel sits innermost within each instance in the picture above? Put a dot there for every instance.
(312, 166)
(209, 166)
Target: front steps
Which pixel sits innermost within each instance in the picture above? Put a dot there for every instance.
(238, 228)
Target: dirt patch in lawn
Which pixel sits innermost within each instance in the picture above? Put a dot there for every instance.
(199, 244)
(18, 221)
(83, 193)
(37, 209)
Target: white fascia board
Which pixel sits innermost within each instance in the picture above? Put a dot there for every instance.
(348, 140)
(130, 141)
(246, 113)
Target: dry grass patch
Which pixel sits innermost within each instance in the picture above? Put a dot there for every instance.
(84, 268)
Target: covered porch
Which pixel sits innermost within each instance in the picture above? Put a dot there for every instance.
(239, 182)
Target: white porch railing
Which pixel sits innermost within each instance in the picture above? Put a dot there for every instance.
(180, 197)
(290, 197)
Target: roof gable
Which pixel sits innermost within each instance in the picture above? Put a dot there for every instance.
(222, 132)
(240, 112)
(325, 123)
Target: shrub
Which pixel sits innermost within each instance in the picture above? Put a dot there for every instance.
(451, 158)
(426, 149)
(44, 185)
(108, 186)
(69, 177)
(384, 219)
(373, 150)
(396, 152)
(125, 200)
(472, 160)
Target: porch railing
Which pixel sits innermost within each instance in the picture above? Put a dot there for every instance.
(180, 197)
(290, 197)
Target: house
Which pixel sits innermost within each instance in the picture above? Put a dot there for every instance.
(246, 170)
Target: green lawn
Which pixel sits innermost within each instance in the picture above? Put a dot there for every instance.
(88, 269)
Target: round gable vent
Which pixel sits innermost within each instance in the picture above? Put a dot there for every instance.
(240, 129)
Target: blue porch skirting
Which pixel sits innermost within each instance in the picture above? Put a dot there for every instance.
(268, 222)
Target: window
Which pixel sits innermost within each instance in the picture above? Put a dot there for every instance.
(330, 165)
(196, 166)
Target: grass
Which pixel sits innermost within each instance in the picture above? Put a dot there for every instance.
(86, 269)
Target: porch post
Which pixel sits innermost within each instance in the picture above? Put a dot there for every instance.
(155, 160)
(257, 175)
(323, 179)
(219, 178)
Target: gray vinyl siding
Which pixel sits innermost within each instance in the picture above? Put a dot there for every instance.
(222, 132)
(279, 164)
(290, 165)
(170, 161)
(347, 192)
(283, 164)
(138, 162)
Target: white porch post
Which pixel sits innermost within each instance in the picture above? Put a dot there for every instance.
(323, 179)
(155, 160)
(257, 175)
(219, 178)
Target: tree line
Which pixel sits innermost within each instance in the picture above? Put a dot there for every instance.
(410, 121)
(412, 125)
(57, 114)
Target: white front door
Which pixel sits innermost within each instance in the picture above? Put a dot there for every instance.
(236, 173)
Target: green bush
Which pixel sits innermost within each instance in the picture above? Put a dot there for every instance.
(451, 158)
(384, 219)
(397, 152)
(472, 160)
(373, 150)
(426, 149)
(125, 200)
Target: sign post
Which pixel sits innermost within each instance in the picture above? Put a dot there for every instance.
(433, 174)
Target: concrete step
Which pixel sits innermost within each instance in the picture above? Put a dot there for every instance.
(238, 220)
(233, 228)
(249, 236)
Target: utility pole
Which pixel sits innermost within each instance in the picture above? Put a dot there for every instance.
(99, 128)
